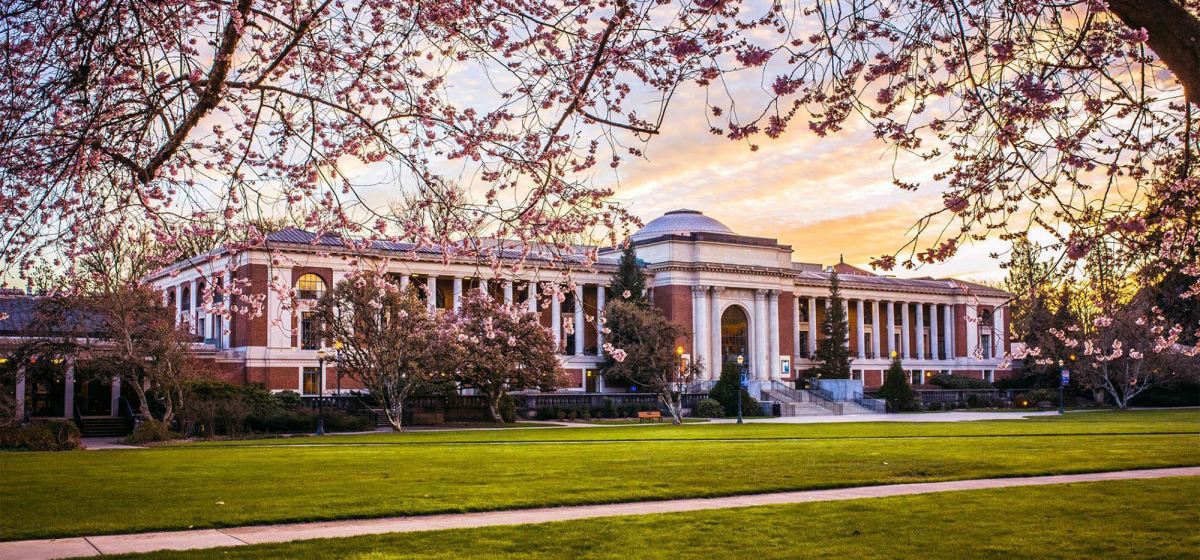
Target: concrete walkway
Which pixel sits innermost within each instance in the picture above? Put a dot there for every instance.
(258, 534)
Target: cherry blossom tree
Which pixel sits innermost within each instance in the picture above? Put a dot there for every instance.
(641, 350)
(500, 348)
(389, 341)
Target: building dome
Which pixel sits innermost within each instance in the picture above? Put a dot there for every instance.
(680, 222)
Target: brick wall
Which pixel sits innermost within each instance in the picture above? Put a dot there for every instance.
(787, 324)
(248, 330)
(675, 302)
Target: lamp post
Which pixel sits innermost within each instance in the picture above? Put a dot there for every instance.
(337, 359)
(320, 392)
(741, 380)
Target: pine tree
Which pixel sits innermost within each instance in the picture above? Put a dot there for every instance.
(833, 352)
(896, 390)
(629, 277)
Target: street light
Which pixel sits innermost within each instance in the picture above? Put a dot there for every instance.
(1062, 370)
(679, 362)
(741, 379)
(320, 391)
(337, 346)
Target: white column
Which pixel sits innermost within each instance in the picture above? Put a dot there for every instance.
(179, 305)
(508, 293)
(875, 331)
(714, 317)
(599, 326)
(933, 331)
(556, 320)
(949, 324)
(795, 330)
(531, 293)
(998, 332)
(115, 402)
(891, 328)
(861, 323)
(972, 329)
(69, 388)
(431, 291)
(193, 313)
(20, 402)
(773, 325)
(761, 334)
(457, 293)
(920, 331)
(404, 282)
(579, 320)
(812, 326)
(699, 322)
(483, 286)
(905, 347)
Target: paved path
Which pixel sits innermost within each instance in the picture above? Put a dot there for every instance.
(258, 534)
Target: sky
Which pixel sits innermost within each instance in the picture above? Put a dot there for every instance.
(828, 198)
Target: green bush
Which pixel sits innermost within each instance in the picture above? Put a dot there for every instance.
(609, 408)
(54, 435)
(958, 382)
(304, 420)
(896, 390)
(1032, 398)
(287, 400)
(508, 408)
(708, 408)
(726, 391)
(150, 431)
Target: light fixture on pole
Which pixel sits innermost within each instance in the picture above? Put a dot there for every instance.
(320, 392)
(337, 359)
(741, 385)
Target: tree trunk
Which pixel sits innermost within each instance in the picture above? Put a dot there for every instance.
(674, 404)
(143, 404)
(395, 414)
(494, 407)
(1174, 37)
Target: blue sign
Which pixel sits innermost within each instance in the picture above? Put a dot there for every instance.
(745, 380)
(1066, 377)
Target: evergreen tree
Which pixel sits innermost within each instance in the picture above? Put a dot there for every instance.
(896, 390)
(833, 352)
(1029, 281)
(629, 277)
(726, 390)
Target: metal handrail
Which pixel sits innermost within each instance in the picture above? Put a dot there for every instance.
(874, 405)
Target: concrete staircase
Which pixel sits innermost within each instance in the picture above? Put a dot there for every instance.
(795, 403)
(105, 426)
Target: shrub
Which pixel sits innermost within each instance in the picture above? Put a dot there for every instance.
(959, 382)
(609, 408)
(150, 431)
(727, 389)
(508, 408)
(304, 420)
(54, 435)
(287, 400)
(708, 408)
(896, 390)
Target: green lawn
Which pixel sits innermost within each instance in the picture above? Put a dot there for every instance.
(1100, 422)
(176, 487)
(1126, 519)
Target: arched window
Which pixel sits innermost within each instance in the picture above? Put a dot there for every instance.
(310, 286)
(735, 334)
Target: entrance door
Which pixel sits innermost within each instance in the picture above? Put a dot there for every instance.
(589, 379)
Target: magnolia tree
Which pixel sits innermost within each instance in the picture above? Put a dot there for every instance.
(389, 341)
(1127, 352)
(501, 347)
(1073, 117)
(641, 350)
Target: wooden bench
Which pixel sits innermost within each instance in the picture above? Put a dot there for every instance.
(1044, 405)
(649, 416)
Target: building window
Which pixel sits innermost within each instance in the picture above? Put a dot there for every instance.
(735, 334)
(309, 339)
(986, 342)
(310, 286)
(312, 381)
(989, 376)
(805, 351)
(186, 299)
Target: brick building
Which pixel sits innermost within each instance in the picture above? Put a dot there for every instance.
(738, 296)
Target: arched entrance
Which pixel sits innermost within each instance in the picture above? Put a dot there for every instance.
(735, 335)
